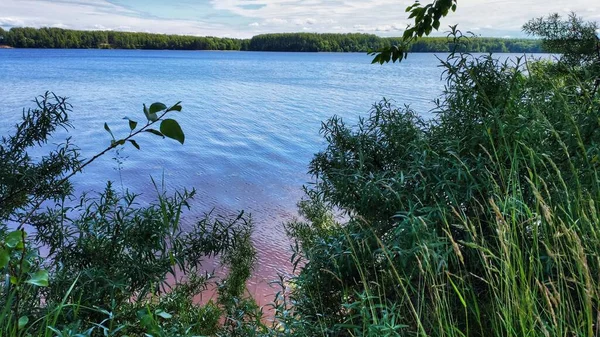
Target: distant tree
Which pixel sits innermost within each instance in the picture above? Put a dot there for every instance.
(578, 44)
(364, 42)
(63, 38)
(576, 40)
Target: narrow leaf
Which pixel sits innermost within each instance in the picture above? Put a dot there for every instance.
(155, 132)
(134, 143)
(176, 107)
(146, 112)
(108, 130)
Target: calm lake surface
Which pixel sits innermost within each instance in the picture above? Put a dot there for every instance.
(251, 120)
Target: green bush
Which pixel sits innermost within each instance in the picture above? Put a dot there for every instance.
(113, 266)
(479, 222)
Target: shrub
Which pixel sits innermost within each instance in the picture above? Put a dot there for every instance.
(478, 222)
(113, 265)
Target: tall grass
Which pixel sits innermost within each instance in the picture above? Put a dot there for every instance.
(483, 222)
(536, 275)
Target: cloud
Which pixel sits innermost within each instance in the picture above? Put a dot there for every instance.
(244, 18)
(98, 14)
(387, 17)
(306, 21)
(275, 21)
(11, 22)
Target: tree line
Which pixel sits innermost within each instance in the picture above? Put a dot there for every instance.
(290, 42)
(355, 42)
(78, 39)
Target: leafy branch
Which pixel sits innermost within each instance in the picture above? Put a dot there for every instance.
(427, 18)
(169, 128)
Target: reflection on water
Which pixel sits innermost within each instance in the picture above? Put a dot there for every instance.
(251, 120)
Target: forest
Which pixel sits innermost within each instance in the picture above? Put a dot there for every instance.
(288, 42)
(481, 222)
(78, 39)
(311, 42)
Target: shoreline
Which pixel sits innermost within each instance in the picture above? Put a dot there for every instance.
(260, 51)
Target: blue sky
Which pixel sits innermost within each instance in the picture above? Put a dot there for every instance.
(245, 18)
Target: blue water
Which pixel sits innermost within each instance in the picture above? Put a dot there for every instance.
(251, 119)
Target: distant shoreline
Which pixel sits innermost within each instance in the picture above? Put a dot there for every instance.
(57, 38)
(258, 51)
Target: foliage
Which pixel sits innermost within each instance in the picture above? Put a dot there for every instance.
(64, 38)
(312, 42)
(297, 42)
(573, 38)
(427, 18)
(576, 42)
(24, 180)
(26, 183)
(112, 265)
(482, 221)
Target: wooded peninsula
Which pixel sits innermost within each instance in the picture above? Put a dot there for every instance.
(285, 42)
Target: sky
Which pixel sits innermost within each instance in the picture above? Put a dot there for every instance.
(246, 18)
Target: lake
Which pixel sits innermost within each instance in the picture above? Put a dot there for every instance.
(251, 121)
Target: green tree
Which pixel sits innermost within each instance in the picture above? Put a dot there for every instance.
(108, 257)
(451, 225)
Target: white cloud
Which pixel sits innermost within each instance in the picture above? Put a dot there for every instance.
(387, 17)
(98, 14)
(275, 21)
(11, 22)
(244, 18)
(306, 21)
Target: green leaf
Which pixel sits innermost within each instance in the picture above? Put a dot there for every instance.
(132, 125)
(171, 129)
(4, 258)
(15, 239)
(39, 278)
(155, 132)
(108, 130)
(152, 117)
(23, 320)
(163, 314)
(156, 107)
(176, 107)
(134, 143)
(25, 266)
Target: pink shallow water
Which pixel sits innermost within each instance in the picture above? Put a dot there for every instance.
(273, 250)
